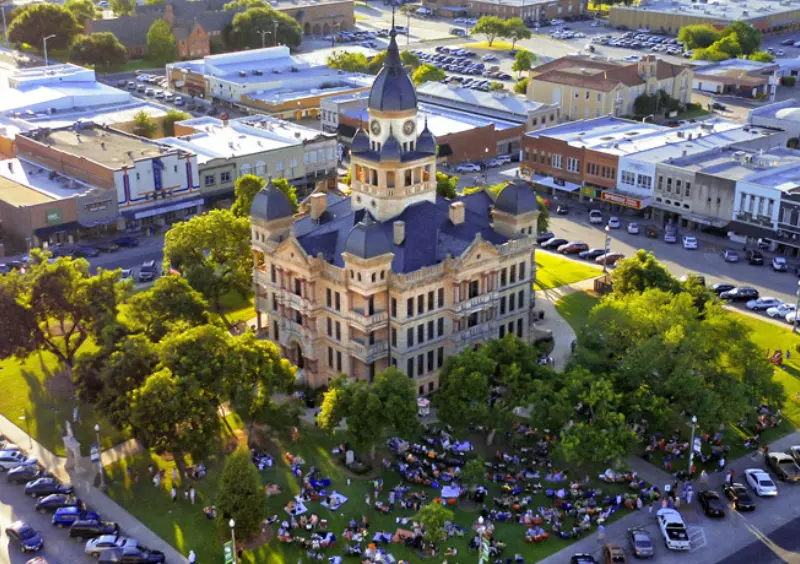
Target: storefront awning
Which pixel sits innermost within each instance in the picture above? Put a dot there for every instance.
(60, 228)
(166, 209)
(554, 183)
(707, 220)
(103, 221)
(749, 230)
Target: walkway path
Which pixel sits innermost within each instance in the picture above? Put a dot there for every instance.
(82, 478)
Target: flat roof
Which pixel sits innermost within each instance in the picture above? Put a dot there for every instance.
(715, 9)
(785, 109)
(19, 195)
(278, 96)
(776, 174)
(598, 131)
(498, 101)
(319, 57)
(706, 134)
(40, 187)
(735, 68)
(103, 146)
(733, 164)
(286, 130)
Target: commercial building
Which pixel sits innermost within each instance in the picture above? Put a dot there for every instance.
(783, 115)
(671, 15)
(738, 77)
(392, 275)
(270, 81)
(258, 145)
(151, 183)
(587, 88)
(536, 10)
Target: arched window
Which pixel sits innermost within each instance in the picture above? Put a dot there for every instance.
(373, 277)
(246, 168)
(260, 168)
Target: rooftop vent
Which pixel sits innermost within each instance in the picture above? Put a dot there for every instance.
(242, 73)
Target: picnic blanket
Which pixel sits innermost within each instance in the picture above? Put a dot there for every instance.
(320, 484)
(337, 500)
(380, 536)
(451, 491)
(297, 507)
(463, 446)
(400, 535)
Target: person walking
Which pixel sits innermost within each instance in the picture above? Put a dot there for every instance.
(722, 463)
(192, 557)
(689, 493)
(174, 493)
(729, 478)
(766, 450)
(192, 494)
(601, 534)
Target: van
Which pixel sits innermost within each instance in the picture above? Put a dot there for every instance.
(148, 271)
(595, 216)
(458, 32)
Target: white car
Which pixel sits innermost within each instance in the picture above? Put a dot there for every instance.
(673, 529)
(763, 304)
(97, 546)
(613, 222)
(10, 459)
(595, 216)
(689, 242)
(780, 52)
(492, 163)
(633, 228)
(791, 318)
(779, 264)
(780, 311)
(504, 159)
(760, 482)
(468, 167)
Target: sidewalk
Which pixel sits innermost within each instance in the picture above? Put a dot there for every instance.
(82, 478)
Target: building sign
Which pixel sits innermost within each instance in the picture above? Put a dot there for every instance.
(525, 171)
(621, 200)
(54, 216)
(98, 206)
(588, 191)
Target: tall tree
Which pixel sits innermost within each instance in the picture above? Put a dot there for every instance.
(244, 4)
(122, 7)
(173, 116)
(641, 272)
(33, 22)
(523, 61)
(409, 60)
(748, 38)
(433, 517)
(102, 50)
(288, 190)
(398, 396)
(490, 27)
(446, 186)
(350, 62)
(83, 10)
(240, 496)
(161, 46)
(143, 125)
(246, 188)
(698, 36)
(521, 86)
(427, 73)
(516, 30)
(171, 303)
(473, 472)
(464, 389)
(246, 26)
(212, 251)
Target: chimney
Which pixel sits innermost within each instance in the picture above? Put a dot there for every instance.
(399, 232)
(169, 15)
(318, 204)
(457, 212)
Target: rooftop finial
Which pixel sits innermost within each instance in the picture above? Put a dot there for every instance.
(394, 5)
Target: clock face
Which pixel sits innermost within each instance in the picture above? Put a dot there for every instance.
(408, 127)
(375, 126)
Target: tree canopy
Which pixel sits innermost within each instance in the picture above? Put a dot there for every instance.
(161, 46)
(409, 59)
(523, 61)
(711, 44)
(288, 190)
(433, 517)
(699, 36)
(240, 496)
(33, 22)
(102, 50)
(171, 303)
(245, 189)
(521, 86)
(490, 27)
(82, 10)
(244, 32)
(446, 186)
(350, 62)
(427, 73)
(515, 29)
(122, 7)
(143, 125)
(173, 116)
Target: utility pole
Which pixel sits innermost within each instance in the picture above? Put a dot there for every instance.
(44, 41)
(263, 34)
(408, 28)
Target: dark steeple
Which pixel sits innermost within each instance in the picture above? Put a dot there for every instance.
(392, 90)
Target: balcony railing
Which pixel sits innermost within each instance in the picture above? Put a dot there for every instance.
(369, 353)
(482, 331)
(262, 304)
(477, 303)
(368, 321)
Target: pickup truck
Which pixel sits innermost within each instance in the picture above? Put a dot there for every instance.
(673, 529)
(784, 466)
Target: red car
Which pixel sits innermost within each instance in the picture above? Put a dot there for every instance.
(609, 258)
(573, 248)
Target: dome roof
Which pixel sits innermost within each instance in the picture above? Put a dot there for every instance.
(517, 198)
(270, 203)
(360, 142)
(393, 90)
(426, 142)
(367, 239)
(791, 114)
(391, 149)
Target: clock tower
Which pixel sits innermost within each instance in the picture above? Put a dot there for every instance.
(393, 164)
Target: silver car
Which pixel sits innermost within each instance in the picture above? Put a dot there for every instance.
(96, 546)
(760, 482)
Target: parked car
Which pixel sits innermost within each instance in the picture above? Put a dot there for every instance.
(53, 502)
(126, 241)
(640, 542)
(107, 247)
(673, 529)
(729, 255)
(91, 528)
(689, 242)
(711, 503)
(755, 258)
(613, 222)
(554, 243)
(148, 271)
(720, 107)
(573, 248)
(760, 482)
(25, 536)
(543, 237)
(24, 474)
(66, 516)
(614, 554)
(591, 254)
(784, 466)
(780, 311)
(720, 287)
(12, 458)
(763, 304)
(633, 228)
(595, 216)
(562, 209)
(582, 558)
(740, 294)
(98, 545)
(132, 556)
(468, 167)
(609, 258)
(779, 264)
(739, 496)
(46, 486)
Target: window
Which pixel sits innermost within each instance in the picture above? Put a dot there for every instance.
(273, 274)
(330, 327)
(588, 94)
(420, 332)
(688, 190)
(224, 177)
(274, 301)
(421, 304)
(573, 165)
(522, 271)
(644, 181)
(669, 185)
(410, 368)
(410, 307)
(430, 301)
(245, 169)
(660, 185)
(678, 187)
(440, 297)
(430, 329)
(298, 287)
(410, 337)
(439, 357)
(394, 337)
(521, 298)
(502, 331)
(260, 168)
(472, 320)
(511, 302)
(556, 161)
(440, 326)
(394, 307)
(328, 297)
(338, 331)
(279, 166)
(337, 307)
(504, 277)
(330, 357)
(430, 361)
(421, 364)
(503, 305)
(519, 327)
(474, 289)
(339, 361)
(210, 179)
(599, 97)
(513, 273)
(628, 177)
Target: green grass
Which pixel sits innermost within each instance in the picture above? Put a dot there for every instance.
(186, 528)
(575, 308)
(134, 65)
(235, 308)
(553, 271)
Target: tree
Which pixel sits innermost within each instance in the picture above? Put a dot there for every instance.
(350, 62)
(244, 4)
(153, 2)
(496, 86)
(642, 272)
(427, 73)
(516, 30)
(644, 104)
(212, 251)
(246, 188)
(246, 26)
(446, 186)
(398, 395)
(288, 190)
(464, 389)
(102, 50)
(490, 27)
(523, 61)
(33, 22)
(433, 517)
(169, 120)
(747, 37)
(698, 36)
(240, 496)
(473, 472)
(409, 60)
(543, 221)
(122, 7)
(170, 304)
(729, 44)
(56, 307)
(161, 47)
(143, 125)
(761, 57)
(83, 10)
(521, 86)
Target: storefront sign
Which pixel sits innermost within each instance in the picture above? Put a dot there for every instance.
(525, 171)
(54, 216)
(588, 191)
(621, 200)
(98, 206)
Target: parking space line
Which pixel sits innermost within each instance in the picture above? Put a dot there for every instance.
(697, 538)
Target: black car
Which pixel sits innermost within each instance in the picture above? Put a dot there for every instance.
(107, 247)
(562, 209)
(740, 497)
(720, 287)
(25, 474)
(91, 528)
(85, 252)
(134, 555)
(61, 251)
(46, 486)
(56, 501)
(582, 558)
(740, 294)
(544, 237)
(640, 542)
(554, 243)
(24, 535)
(755, 258)
(711, 503)
(591, 254)
(126, 242)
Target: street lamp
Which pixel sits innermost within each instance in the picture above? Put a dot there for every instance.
(333, 33)
(691, 446)
(232, 524)
(99, 457)
(796, 309)
(608, 249)
(263, 34)
(44, 41)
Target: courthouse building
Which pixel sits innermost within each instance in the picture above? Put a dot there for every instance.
(393, 274)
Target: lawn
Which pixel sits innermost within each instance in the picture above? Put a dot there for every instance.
(186, 528)
(495, 46)
(553, 271)
(575, 308)
(235, 308)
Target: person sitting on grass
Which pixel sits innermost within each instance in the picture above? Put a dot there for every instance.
(210, 512)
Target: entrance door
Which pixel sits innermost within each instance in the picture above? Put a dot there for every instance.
(298, 351)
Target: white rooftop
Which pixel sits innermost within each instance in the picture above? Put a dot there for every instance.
(717, 9)
(438, 92)
(598, 131)
(286, 130)
(783, 177)
(37, 178)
